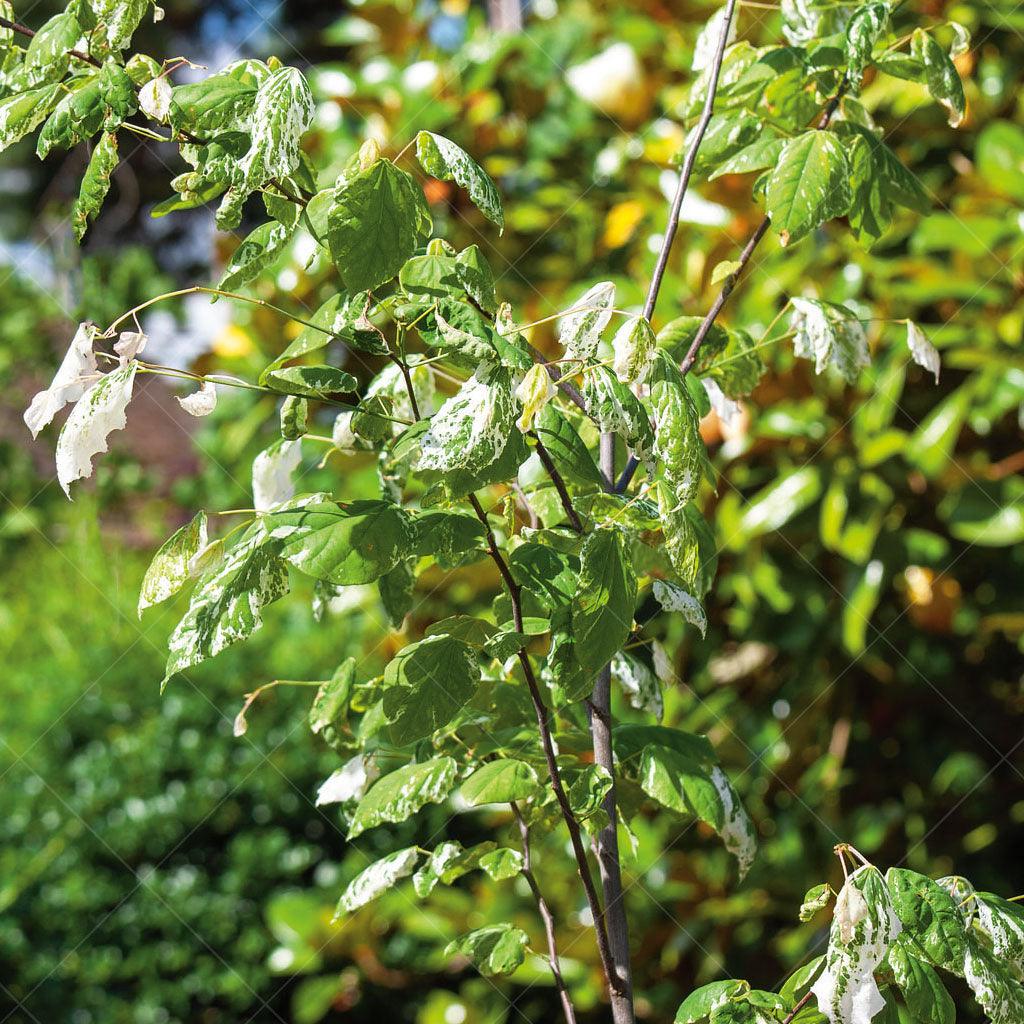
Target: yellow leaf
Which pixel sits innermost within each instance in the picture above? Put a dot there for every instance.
(621, 222)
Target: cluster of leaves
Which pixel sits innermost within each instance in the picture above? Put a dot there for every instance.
(890, 935)
(582, 569)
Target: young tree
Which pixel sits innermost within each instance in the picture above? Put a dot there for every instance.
(576, 476)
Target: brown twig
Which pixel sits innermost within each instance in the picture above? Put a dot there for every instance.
(615, 983)
(563, 492)
(545, 915)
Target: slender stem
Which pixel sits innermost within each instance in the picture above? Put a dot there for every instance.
(545, 915)
(730, 283)
(608, 838)
(688, 164)
(563, 492)
(796, 1009)
(615, 983)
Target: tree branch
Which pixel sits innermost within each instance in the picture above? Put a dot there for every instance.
(546, 916)
(541, 712)
(686, 171)
(730, 283)
(563, 492)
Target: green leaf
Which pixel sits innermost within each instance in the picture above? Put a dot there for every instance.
(831, 335)
(727, 134)
(605, 598)
(319, 381)
(396, 589)
(493, 950)
(501, 782)
(377, 879)
(402, 793)
(344, 544)
(738, 368)
(449, 537)
(448, 863)
(700, 1003)
(693, 786)
(170, 570)
(634, 344)
(566, 448)
(925, 995)
(941, 75)
(121, 18)
(809, 185)
(24, 112)
(816, 899)
(227, 604)
(755, 157)
(426, 685)
(329, 710)
(95, 184)
(49, 51)
(259, 250)
(502, 863)
(221, 103)
(377, 219)
(779, 502)
(587, 789)
(930, 916)
(442, 159)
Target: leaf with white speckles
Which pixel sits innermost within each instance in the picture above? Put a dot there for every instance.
(809, 185)
(638, 683)
(170, 569)
(402, 793)
(272, 474)
(579, 329)
(831, 335)
(674, 598)
(442, 159)
(378, 878)
(864, 926)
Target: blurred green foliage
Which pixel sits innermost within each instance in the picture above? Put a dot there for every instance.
(862, 674)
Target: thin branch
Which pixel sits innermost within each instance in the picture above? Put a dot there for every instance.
(615, 983)
(688, 164)
(730, 283)
(796, 1009)
(545, 915)
(563, 492)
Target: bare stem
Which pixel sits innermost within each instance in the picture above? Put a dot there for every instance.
(541, 713)
(545, 915)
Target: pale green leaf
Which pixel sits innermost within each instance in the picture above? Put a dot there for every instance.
(494, 950)
(501, 781)
(941, 75)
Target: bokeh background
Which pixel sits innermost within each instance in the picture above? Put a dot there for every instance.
(862, 676)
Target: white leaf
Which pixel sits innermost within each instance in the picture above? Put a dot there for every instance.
(737, 830)
(155, 99)
(662, 664)
(272, 474)
(961, 40)
(342, 434)
(377, 879)
(707, 42)
(674, 598)
(639, 684)
(347, 783)
(201, 402)
(725, 408)
(829, 334)
(282, 112)
(922, 350)
(996, 990)
(579, 330)
(634, 344)
(130, 345)
(864, 926)
(99, 412)
(75, 374)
